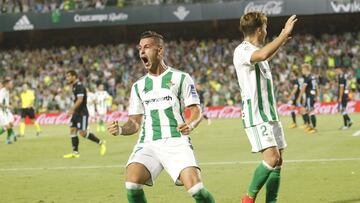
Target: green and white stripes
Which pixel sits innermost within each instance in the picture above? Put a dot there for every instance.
(161, 98)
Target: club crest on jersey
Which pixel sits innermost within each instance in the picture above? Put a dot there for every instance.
(193, 90)
(170, 84)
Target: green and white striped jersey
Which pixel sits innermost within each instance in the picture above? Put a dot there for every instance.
(256, 87)
(4, 99)
(160, 99)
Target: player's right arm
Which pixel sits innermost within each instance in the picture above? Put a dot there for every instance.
(293, 91)
(136, 112)
(270, 49)
(341, 93)
(302, 91)
(130, 127)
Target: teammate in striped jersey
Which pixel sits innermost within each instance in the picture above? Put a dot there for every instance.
(6, 117)
(156, 107)
(343, 96)
(102, 98)
(259, 111)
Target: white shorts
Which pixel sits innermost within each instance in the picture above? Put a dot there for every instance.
(265, 135)
(91, 111)
(171, 154)
(6, 118)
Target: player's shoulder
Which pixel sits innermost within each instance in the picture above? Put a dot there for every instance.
(79, 85)
(139, 80)
(244, 46)
(178, 72)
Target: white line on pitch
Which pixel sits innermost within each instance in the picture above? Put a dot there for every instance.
(201, 164)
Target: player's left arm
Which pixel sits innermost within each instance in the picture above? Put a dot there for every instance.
(293, 92)
(193, 121)
(341, 93)
(80, 93)
(76, 105)
(302, 91)
(192, 102)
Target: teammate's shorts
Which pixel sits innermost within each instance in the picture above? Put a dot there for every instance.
(265, 135)
(171, 154)
(6, 117)
(92, 112)
(309, 103)
(28, 112)
(79, 121)
(343, 104)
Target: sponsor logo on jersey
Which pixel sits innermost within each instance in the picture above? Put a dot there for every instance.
(166, 98)
(193, 90)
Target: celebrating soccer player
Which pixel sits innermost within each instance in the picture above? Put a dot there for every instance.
(80, 117)
(156, 108)
(259, 111)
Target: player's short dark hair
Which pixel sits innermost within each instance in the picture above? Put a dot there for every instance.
(152, 34)
(251, 21)
(72, 72)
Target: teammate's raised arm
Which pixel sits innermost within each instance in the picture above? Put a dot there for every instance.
(269, 49)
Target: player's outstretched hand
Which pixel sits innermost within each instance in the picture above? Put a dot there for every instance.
(289, 25)
(113, 128)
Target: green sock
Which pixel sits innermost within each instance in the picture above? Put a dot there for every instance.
(2, 130)
(273, 185)
(261, 174)
(136, 196)
(10, 132)
(203, 196)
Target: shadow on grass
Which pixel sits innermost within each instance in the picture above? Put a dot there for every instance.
(347, 201)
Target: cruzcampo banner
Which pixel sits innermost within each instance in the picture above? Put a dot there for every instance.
(177, 13)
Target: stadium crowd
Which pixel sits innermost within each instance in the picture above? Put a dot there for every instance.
(208, 61)
(43, 6)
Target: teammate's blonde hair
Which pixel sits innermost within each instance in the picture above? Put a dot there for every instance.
(251, 21)
(306, 67)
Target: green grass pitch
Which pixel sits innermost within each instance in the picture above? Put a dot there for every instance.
(324, 167)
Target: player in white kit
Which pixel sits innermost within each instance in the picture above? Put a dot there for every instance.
(259, 110)
(156, 107)
(6, 117)
(102, 106)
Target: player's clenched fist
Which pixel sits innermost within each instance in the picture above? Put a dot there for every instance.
(185, 128)
(113, 128)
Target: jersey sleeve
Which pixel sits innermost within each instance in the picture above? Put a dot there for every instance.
(135, 105)
(342, 81)
(189, 93)
(80, 91)
(243, 53)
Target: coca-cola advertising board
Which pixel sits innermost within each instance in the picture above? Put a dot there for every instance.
(212, 112)
(267, 7)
